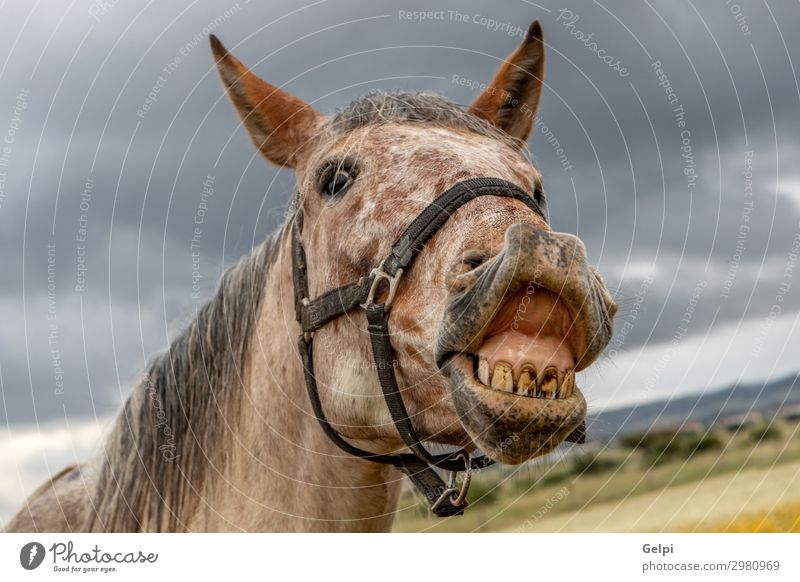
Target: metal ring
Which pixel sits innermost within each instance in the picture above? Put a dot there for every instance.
(458, 496)
(448, 492)
(462, 494)
(378, 275)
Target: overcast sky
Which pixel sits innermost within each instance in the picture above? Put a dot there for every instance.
(112, 112)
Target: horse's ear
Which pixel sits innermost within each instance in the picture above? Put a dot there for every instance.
(511, 99)
(279, 124)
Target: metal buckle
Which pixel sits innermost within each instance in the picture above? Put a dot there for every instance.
(378, 275)
(451, 489)
(307, 335)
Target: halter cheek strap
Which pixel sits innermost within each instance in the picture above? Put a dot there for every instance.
(445, 499)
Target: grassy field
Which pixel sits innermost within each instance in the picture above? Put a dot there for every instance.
(782, 518)
(711, 482)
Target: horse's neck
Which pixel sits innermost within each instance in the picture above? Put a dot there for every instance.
(285, 474)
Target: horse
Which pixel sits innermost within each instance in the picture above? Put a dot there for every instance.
(488, 327)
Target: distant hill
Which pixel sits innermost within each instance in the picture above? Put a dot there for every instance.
(707, 408)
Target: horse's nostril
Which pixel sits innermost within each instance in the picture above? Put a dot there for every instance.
(464, 265)
(473, 259)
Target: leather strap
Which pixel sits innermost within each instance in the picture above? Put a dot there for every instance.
(333, 304)
(384, 358)
(422, 476)
(435, 215)
(383, 353)
(307, 357)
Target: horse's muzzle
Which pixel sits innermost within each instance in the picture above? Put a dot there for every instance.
(516, 329)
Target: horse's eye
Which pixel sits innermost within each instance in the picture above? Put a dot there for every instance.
(338, 183)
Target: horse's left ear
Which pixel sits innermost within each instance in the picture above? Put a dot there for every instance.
(512, 98)
(280, 125)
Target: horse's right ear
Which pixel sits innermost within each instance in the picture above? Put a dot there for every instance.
(511, 99)
(279, 124)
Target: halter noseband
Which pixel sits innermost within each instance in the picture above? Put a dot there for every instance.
(445, 499)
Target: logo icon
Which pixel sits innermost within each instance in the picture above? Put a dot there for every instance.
(31, 555)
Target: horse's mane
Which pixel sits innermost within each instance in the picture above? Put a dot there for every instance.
(170, 431)
(379, 107)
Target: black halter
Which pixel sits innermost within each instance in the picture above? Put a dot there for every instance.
(445, 499)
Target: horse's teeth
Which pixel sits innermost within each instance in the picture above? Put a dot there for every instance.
(548, 383)
(526, 384)
(503, 377)
(568, 385)
(483, 372)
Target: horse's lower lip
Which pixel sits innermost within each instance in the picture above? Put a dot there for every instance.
(507, 427)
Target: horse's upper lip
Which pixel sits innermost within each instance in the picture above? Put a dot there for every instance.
(555, 262)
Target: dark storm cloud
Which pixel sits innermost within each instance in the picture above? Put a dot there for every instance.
(122, 101)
